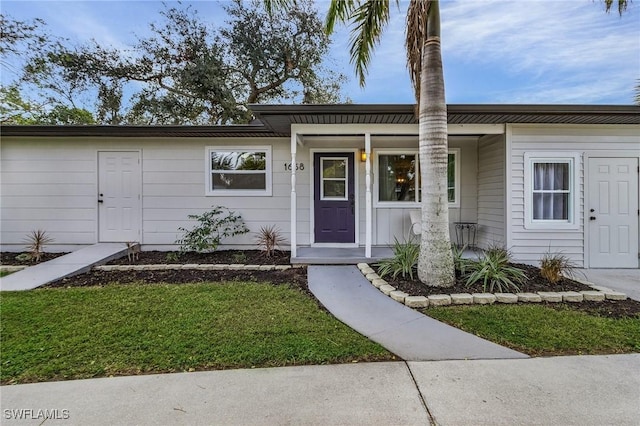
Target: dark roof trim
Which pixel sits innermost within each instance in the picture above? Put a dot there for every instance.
(280, 117)
(252, 130)
(276, 120)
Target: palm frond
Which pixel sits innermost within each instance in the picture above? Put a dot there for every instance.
(370, 19)
(339, 11)
(416, 35)
(272, 5)
(622, 5)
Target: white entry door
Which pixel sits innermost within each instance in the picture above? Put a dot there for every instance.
(612, 210)
(119, 196)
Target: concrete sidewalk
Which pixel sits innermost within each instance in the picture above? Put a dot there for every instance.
(623, 280)
(582, 390)
(73, 263)
(402, 330)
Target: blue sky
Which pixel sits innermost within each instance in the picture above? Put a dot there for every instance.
(494, 51)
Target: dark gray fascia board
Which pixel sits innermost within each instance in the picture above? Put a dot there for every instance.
(279, 117)
(138, 131)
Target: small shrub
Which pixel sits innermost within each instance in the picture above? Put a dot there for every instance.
(213, 227)
(173, 257)
(459, 263)
(268, 239)
(554, 266)
(24, 257)
(495, 272)
(36, 241)
(239, 257)
(403, 262)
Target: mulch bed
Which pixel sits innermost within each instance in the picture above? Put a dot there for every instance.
(7, 258)
(247, 257)
(534, 283)
(297, 277)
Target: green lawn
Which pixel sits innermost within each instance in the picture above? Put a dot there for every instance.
(57, 334)
(541, 330)
(4, 273)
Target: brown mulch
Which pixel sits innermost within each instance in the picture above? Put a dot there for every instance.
(247, 257)
(294, 276)
(9, 258)
(297, 277)
(534, 283)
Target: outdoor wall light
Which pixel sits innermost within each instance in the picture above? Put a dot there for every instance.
(363, 155)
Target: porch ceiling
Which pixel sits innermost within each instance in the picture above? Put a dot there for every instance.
(280, 117)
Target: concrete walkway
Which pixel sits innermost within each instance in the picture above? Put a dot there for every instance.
(580, 390)
(407, 333)
(624, 280)
(70, 264)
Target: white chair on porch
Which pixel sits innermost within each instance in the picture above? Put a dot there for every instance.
(416, 221)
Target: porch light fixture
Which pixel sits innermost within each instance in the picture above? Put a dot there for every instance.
(363, 155)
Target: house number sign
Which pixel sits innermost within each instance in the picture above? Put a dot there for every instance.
(299, 166)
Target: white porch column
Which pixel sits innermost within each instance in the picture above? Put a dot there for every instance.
(294, 205)
(368, 204)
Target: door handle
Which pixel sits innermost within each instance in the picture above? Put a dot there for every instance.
(352, 203)
(592, 218)
(100, 200)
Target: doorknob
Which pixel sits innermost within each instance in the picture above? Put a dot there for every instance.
(592, 218)
(100, 200)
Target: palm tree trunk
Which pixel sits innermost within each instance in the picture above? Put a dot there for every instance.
(435, 264)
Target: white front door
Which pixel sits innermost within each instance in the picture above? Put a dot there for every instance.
(612, 212)
(119, 196)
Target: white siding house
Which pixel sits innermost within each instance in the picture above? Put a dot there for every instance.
(524, 177)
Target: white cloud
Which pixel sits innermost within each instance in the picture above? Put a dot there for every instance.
(548, 51)
(563, 51)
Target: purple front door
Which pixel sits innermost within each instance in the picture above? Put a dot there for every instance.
(334, 198)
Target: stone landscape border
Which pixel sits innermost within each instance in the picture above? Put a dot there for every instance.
(176, 266)
(200, 267)
(598, 294)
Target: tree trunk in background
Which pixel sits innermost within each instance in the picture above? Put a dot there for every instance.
(435, 264)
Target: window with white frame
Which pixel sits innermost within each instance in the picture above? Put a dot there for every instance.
(550, 190)
(238, 171)
(334, 176)
(398, 181)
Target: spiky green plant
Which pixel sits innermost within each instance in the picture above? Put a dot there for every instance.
(460, 263)
(36, 241)
(555, 266)
(495, 272)
(269, 239)
(403, 262)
